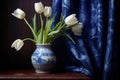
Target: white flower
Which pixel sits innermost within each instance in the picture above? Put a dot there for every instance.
(20, 14)
(47, 11)
(17, 44)
(39, 8)
(71, 20)
(77, 29)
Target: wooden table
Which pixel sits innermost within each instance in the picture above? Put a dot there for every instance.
(30, 74)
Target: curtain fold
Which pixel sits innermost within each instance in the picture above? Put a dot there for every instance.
(95, 50)
(109, 44)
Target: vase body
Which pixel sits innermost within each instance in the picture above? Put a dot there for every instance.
(43, 59)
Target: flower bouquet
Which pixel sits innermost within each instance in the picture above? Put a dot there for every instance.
(46, 34)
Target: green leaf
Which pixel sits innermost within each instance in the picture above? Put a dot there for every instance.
(53, 32)
(57, 26)
(40, 35)
(62, 18)
(50, 21)
(34, 23)
(48, 26)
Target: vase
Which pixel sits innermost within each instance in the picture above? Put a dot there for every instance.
(43, 59)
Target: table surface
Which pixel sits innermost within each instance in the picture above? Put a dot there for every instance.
(30, 74)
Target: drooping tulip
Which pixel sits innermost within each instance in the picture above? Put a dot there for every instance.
(18, 13)
(17, 44)
(71, 20)
(77, 29)
(39, 7)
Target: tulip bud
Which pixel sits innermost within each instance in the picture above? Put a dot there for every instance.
(20, 14)
(77, 29)
(17, 44)
(71, 20)
(47, 11)
(39, 8)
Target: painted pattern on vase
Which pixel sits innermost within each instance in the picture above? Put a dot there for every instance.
(43, 59)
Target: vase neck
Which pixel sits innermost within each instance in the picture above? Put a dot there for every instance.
(43, 45)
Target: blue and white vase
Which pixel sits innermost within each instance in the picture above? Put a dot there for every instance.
(43, 59)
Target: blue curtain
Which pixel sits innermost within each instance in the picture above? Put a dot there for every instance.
(96, 52)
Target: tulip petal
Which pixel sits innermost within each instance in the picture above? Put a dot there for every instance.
(47, 11)
(18, 13)
(77, 29)
(17, 44)
(71, 20)
(39, 7)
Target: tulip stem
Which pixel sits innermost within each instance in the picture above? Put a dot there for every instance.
(31, 29)
(45, 31)
(70, 38)
(42, 29)
(29, 39)
(41, 20)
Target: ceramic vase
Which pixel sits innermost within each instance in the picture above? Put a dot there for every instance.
(43, 59)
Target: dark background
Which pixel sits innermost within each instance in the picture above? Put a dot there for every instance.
(11, 29)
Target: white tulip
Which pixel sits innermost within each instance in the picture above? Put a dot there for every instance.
(39, 8)
(77, 29)
(47, 11)
(17, 44)
(20, 14)
(71, 20)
